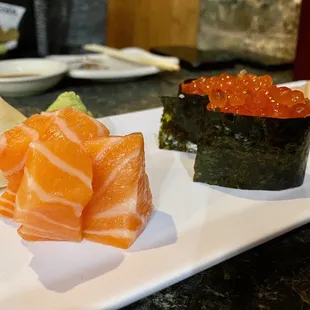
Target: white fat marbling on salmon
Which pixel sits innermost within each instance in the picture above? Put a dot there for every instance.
(62, 125)
(48, 114)
(8, 202)
(39, 233)
(42, 217)
(101, 130)
(111, 141)
(10, 192)
(3, 143)
(145, 198)
(116, 171)
(116, 233)
(7, 210)
(62, 165)
(31, 132)
(126, 207)
(48, 198)
(16, 169)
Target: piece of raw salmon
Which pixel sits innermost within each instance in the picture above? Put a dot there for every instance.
(73, 125)
(56, 186)
(65, 124)
(122, 202)
(14, 145)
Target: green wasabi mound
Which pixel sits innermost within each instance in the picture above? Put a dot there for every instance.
(69, 99)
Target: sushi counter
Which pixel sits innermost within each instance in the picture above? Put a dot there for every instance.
(275, 275)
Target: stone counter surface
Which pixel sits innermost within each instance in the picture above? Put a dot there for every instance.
(105, 99)
(273, 276)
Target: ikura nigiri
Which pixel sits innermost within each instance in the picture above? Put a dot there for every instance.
(122, 202)
(14, 145)
(56, 186)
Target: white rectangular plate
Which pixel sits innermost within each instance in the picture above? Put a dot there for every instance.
(193, 228)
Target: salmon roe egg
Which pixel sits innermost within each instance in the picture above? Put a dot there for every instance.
(249, 94)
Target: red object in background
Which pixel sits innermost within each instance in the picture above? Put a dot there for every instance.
(302, 60)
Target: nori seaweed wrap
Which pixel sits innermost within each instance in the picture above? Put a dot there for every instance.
(254, 153)
(251, 136)
(182, 121)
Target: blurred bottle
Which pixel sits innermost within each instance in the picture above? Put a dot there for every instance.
(86, 24)
(64, 26)
(17, 29)
(44, 27)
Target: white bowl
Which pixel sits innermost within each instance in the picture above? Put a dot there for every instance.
(47, 73)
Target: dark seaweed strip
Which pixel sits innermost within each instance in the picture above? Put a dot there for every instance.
(252, 152)
(181, 122)
(171, 135)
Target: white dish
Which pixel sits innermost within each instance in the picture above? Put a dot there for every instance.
(194, 227)
(49, 73)
(116, 70)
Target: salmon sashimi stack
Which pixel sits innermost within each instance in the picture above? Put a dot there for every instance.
(13, 150)
(68, 179)
(56, 186)
(122, 202)
(73, 125)
(65, 124)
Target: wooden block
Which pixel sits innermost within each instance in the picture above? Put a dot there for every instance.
(151, 23)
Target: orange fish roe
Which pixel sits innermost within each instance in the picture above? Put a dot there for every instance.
(248, 94)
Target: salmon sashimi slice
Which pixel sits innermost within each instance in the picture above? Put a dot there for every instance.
(56, 186)
(14, 145)
(7, 203)
(122, 202)
(76, 126)
(30, 233)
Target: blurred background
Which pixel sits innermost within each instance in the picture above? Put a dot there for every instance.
(42, 27)
(206, 36)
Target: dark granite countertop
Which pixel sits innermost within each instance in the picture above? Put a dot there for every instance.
(115, 98)
(275, 275)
